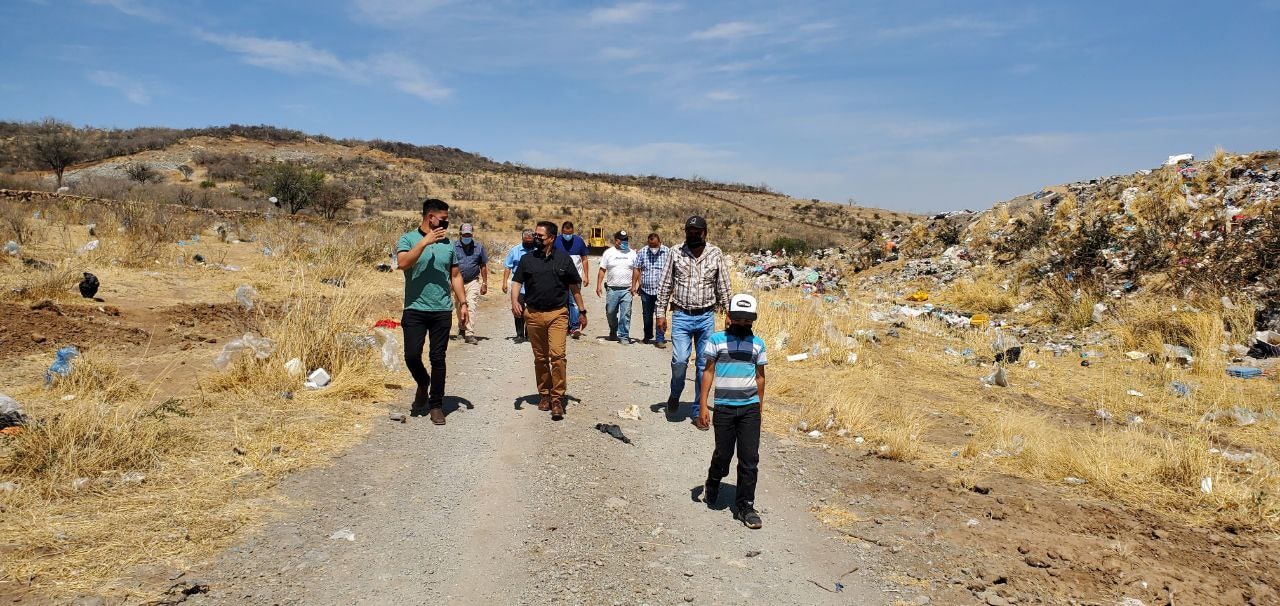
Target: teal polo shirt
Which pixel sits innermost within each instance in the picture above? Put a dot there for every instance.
(426, 284)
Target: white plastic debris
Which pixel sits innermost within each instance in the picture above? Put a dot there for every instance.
(1074, 481)
(859, 440)
(261, 347)
(1102, 414)
(631, 413)
(133, 477)
(92, 245)
(1023, 307)
(79, 484)
(245, 295)
(971, 522)
(997, 377)
(390, 348)
(1135, 355)
(1134, 419)
(343, 534)
(852, 358)
(294, 368)
(1098, 310)
(1032, 364)
(1206, 485)
(798, 357)
(1135, 393)
(8, 487)
(11, 248)
(814, 434)
(317, 379)
(1179, 159)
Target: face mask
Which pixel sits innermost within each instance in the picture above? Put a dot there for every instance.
(739, 331)
(655, 249)
(466, 241)
(528, 245)
(625, 246)
(444, 224)
(567, 237)
(694, 241)
(537, 241)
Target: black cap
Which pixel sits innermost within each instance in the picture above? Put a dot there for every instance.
(622, 235)
(695, 221)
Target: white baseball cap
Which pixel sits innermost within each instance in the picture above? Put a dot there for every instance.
(742, 306)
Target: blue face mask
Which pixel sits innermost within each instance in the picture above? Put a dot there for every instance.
(625, 246)
(466, 240)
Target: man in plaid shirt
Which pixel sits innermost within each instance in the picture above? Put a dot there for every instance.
(645, 276)
(695, 284)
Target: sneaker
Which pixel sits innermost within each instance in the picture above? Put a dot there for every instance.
(711, 492)
(624, 340)
(470, 340)
(749, 517)
(660, 345)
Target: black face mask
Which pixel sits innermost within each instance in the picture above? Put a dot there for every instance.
(695, 241)
(538, 241)
(444, 224)
(738, 331)
(529, 245)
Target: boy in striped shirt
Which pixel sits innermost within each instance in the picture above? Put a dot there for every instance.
(735, 361)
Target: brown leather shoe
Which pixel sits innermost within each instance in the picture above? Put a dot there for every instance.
(544, 404)
(557, 410)
(437, 416)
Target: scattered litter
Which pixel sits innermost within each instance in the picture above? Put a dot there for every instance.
(11, 248)
(918, 296)
(261, 347)
(386, 323)
(8, 487)
(383, 267)
(1032, 364)
(852, 358)
(997, 377)
(133, 477)
(10, 413)
(1179, 159)
(613, 430)
(294, 368)
(1098, 310)
(971, 522)
(859, 440)
(1206, 485)
(398, 417)
(245, 295)
(343, 534)
(1074, 481)
(79, 484)
(1134, 419)
(61, 363)
(1243, 372)
(815, 434)
(1179, 354)
(630, 413)
(339, 282)
(1136, 355)
(198, 258)
(390, 348)
(1240, 415)
(317, 379)
(1102, 414)
(89, 285)
(1023, 307)
(798, 357)
(979, 320)
(1135, 393)
(92, 245)
(1179, 389)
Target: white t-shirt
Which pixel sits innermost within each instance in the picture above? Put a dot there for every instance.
(617, 267)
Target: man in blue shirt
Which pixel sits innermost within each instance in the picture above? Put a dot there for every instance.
(735, 361)
(432, 287)
(509, 267)
(645, 277)
(473, 263)
(577, 250)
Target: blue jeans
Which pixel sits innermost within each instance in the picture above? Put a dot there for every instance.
(689, 334)
(617, 309)
(573, 314)
(649, 304)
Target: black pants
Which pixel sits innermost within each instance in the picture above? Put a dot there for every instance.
(737, 426)
(520, 333)
(417, 325)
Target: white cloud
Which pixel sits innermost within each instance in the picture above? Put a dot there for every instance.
(628, 12)
(301, 57)
(131, 89)
(729, 30)
(614, 53)
(663, 158)
(394, 12)
(721, 96)
(408, 77)
(133, 8)
(944, 26)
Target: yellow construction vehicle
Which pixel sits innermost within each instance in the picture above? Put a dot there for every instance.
(596, 244)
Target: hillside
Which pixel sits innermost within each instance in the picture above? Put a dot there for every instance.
(224, 168)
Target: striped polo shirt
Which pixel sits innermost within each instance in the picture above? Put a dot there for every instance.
(736, 361)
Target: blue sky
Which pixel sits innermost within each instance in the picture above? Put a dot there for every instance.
(917, 106)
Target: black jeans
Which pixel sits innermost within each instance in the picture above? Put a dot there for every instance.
(737, 426)
(520, 332)
(417, 325)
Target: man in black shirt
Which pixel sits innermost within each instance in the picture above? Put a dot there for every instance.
(548, 277)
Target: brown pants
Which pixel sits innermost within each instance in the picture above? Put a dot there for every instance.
(546, 331)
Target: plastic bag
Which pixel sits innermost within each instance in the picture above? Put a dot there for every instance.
(92, 245)
(261, 347)
(245, 295)
(1003, 342)
(11, 248)
(10, 412)
(61, 364)
(1098, 310)
(390, 348)
(997, 377)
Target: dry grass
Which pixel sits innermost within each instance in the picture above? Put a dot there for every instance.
(983, 294)
(910, 401)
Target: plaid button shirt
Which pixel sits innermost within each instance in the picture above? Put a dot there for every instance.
(651, 265)
(691, 282)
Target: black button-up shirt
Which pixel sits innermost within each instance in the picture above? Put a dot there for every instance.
(546, 279)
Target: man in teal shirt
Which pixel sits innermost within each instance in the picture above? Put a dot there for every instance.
(432, 288)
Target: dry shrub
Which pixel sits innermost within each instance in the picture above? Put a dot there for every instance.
(28, 284)
(982, 294)
(1201, 325)
(1066, 304)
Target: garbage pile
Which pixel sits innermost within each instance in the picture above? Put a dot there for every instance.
(770, 271)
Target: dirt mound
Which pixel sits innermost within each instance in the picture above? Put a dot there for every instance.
(46, 326)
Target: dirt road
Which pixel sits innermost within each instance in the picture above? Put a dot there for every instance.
(503, 505)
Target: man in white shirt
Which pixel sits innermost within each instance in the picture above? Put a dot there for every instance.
(615, 276)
